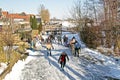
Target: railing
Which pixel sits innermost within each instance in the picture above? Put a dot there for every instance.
(51, 27)
(57, 28)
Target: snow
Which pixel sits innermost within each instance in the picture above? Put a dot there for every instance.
(70, 35)
(17, 69)
(67, 24)
(3, 66)
(91, 65)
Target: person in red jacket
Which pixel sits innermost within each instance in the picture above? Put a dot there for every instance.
(62, 59)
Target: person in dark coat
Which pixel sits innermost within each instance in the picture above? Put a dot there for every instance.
(62, 59)
(49, 40)
(65, 40)
(59, 39)
(77, 48)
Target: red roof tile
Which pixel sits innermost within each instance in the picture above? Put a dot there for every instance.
(16, 15)
(5, 13)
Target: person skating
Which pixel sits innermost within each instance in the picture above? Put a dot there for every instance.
(49, 40)
(59, 39)
(48, 46)
(65, 40)
(77, 48)
(62, 59)
(72, 45)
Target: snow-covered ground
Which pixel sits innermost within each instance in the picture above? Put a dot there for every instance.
(3, 66)
(67, 24)
(91, 65)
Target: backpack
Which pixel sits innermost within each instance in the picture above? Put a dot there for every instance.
(77, 45)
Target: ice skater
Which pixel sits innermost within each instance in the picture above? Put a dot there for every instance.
(62, 59)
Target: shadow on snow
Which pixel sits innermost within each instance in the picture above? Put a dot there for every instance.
(51, 62)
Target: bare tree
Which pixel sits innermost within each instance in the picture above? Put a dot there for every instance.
(7, 40)
(76, 11)
(111, 10)
(86, 16)
(44, 13)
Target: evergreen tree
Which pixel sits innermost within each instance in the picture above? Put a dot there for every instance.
(40, 27)
(33, 22)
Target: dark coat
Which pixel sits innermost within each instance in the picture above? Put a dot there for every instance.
(63, 57)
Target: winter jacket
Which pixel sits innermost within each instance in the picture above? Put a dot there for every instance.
(65, 39)
(49, 40)
(77, 45)
(63, 57)
(73, 41)
(48, 45)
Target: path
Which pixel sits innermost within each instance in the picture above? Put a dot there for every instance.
(47, 67)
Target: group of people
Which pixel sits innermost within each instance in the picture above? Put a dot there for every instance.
(75, 47)
(73, 44)
(63, 56)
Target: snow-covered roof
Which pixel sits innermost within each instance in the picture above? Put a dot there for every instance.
(24, 22)
(67, 24)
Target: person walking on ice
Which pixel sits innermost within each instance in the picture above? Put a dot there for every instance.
(72, 45)
(62, 59)
(65, 40)
(49, 46)
(77, 48)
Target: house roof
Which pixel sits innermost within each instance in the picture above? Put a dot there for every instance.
(16, 15)
(5, 13)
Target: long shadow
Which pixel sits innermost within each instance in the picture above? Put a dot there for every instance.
(58, 50)
(51, 62)
(72, 70)
(52, 52)
(69, 53)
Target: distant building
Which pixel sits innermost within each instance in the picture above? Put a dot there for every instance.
(15, 16)
(38, 18)
(18, 20)
(0, 13)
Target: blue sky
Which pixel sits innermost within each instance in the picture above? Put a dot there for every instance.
(57, 8)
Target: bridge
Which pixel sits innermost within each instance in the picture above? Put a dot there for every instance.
(56, 27)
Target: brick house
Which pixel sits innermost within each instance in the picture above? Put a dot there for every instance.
(23, 16)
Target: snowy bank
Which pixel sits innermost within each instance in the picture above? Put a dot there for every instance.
(90, 65)
(3, 66)
(17, 68)
(109, 66)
